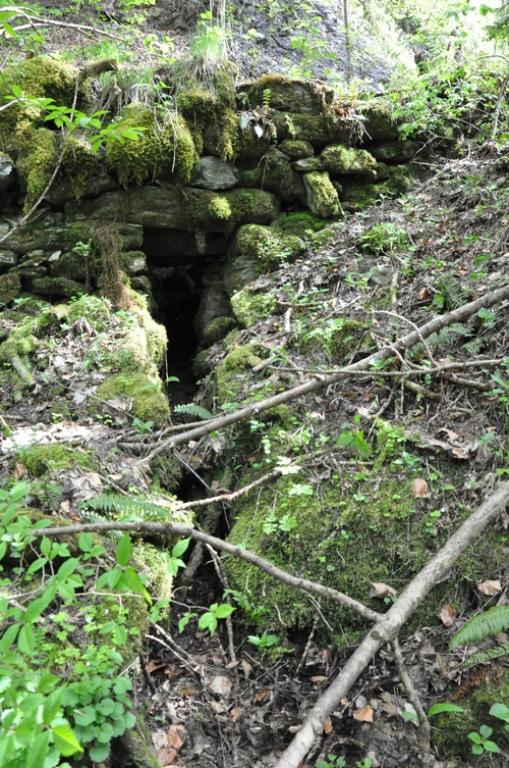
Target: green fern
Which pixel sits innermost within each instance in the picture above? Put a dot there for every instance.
(126, 506)
(486, 656)
(488, 624)
(192, 409)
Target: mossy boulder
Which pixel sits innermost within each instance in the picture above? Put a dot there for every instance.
(56, 287)
(70, 265)
(288, 94)
(147, 399)
(215, 174)
(37, 159)
(321, 196)
(217, 329)
(231, 373)
(295, 149)
(302, 224)
(275, 173)
(8, 260)
(257, 249)
(379, 122)
(318, 130)
(134, 262)
(10, 287)
(396, 152)
(163, 146)
(249, 306)
(346, 161)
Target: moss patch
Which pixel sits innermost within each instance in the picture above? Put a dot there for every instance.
(346, 161)
(250, 306)
(148, 401)
(322, 197)
(230, 373)
(165, 143)
(10, 287)
(53, 457)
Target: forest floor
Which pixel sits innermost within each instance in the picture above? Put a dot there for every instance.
(217, 701)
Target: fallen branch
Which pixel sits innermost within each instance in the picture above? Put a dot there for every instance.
(426, 755)
(388, 627)
(319, 381)
(169, 529)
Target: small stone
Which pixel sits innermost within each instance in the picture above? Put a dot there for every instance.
(308, 164)
(6, 172)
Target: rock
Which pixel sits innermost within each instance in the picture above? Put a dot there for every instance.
(308, 164)
(65, 189)
(379, 124)
(214, 302)
(8, 259)
(142, 283)
(6, 172)
(134, 262)
(52, 233)
(56, 287)
(215, 174)
(275, 173)
(321, 197)
(395, 152)
(10, 287)
(70, 265)
(296, 150)
(346, 161)
(316, 129)
(288, 94)
(217, 329)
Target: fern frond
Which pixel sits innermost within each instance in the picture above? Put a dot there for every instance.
(488, 624)
(485, 656)
(192, 409)
(115, 504)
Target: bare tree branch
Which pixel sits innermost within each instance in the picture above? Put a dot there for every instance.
(168, 529)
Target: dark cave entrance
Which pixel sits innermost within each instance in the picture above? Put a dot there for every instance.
(177, 265)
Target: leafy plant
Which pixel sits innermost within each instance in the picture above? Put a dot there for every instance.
(481, 741)
(264, 641)
(492, 622)
(192, 409)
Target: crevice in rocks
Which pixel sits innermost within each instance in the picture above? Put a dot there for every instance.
(177, 262)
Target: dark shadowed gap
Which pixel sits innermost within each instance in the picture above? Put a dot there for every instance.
(176, 263)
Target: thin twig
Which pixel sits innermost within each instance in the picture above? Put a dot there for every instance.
(424, 726)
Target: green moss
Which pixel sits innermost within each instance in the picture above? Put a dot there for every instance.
(337, 338)
(167, 472)
(79, 163)
(148, 401)
(322, 197)
(10, 287)
(38, 157)
(39, 76)
(250, 306)
(97, 310)
(346, 161)
(53, 457)
(450, 731)
(295, 149)
(56, 287)
(162, 145)
(267, 246)
(252, 206)
(217, 329)
(302, 224)
(230, 373)
(289, 94)
(275, 173)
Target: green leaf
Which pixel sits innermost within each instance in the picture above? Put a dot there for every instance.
(444, 706)
(410, 717)
(180, 547)
(223, 611)
(85, 542)
(106, 706)
(26, 639)
(208, 621)
(65, 740)
(99, 752)
(123, 550)
(122, 685)
(85, 716)
(37, 752)
(501, 711)
(67, 568)
(8, 637)
(490, 746)
(53, 704)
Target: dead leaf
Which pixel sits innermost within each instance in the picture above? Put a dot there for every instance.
(448, 615)
(420, 488)
(236, 713)
(20, 471)
(423, 294)
(159, 739)
(167, 756)
(318, 679)
(221, 685)
(381, 590)
(490, 587)
(365, 715)
(327, 726)
(261, 696)
(176, 734)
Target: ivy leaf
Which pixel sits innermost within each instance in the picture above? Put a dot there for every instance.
(85, 716)
(123, 550)
(99, 752)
